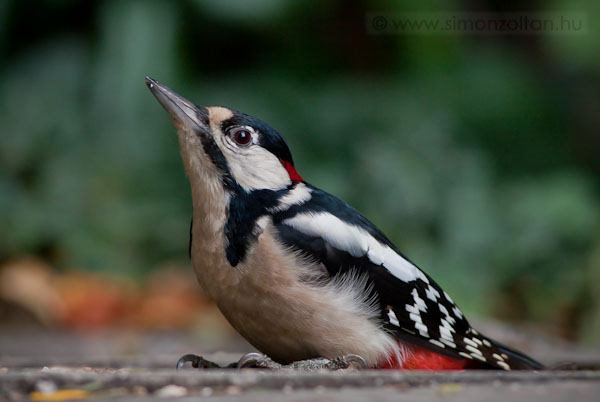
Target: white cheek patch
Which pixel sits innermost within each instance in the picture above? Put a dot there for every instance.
(355, 241)
(258, 169)
(254, 167)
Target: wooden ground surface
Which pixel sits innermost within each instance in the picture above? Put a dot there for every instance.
(127, 365)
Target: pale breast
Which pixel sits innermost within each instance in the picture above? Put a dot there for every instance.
(268, 300)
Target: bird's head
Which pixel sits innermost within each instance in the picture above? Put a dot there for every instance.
(226, 147)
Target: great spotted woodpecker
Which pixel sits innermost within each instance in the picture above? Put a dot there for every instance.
(301, 274)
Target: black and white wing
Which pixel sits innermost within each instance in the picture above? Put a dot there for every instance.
(413, 306)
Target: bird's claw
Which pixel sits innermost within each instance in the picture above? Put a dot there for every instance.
(197, 362)
(351, 362)
(356, 362)
(257, 360)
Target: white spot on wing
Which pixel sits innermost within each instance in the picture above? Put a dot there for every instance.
(416, 318)
(333, 230)
(422, 329)
(412, 309)
(415, 313)
(448, 297)
(474, 351)
(449, 342)
(443, 308)
(446, 330)
(356, 241)
(432, 293)
(419, 303)
(393, 319)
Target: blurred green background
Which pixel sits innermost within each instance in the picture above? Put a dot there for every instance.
(478, 155)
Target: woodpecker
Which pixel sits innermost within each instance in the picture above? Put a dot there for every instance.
(299, 273)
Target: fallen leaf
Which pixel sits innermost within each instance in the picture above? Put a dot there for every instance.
(59, 395)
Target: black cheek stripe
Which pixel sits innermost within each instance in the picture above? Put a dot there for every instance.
(245, 209)
(218, 159)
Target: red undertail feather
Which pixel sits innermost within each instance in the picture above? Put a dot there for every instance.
(423, 359)
(294, 176)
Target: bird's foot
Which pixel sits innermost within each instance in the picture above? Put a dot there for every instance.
(351, 361)
(259, 360)
(249, 360)
(197, 362)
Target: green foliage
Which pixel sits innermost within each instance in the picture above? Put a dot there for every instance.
(472, 154)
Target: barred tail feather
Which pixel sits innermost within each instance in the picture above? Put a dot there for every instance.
(418, 358)
(517, 360)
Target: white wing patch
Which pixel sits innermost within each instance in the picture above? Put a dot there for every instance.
(414, 312)
(296, 196)
(393, 319)
(475, 343)
(446, 329)
(355, 241)
(432, 293)
(500, 361)
(457, 312)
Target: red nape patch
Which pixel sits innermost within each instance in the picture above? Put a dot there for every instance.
(423, 359)
(294, 176)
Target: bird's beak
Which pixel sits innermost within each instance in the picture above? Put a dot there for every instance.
(181, 110)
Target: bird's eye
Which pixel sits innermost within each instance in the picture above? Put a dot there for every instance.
(241, 135)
